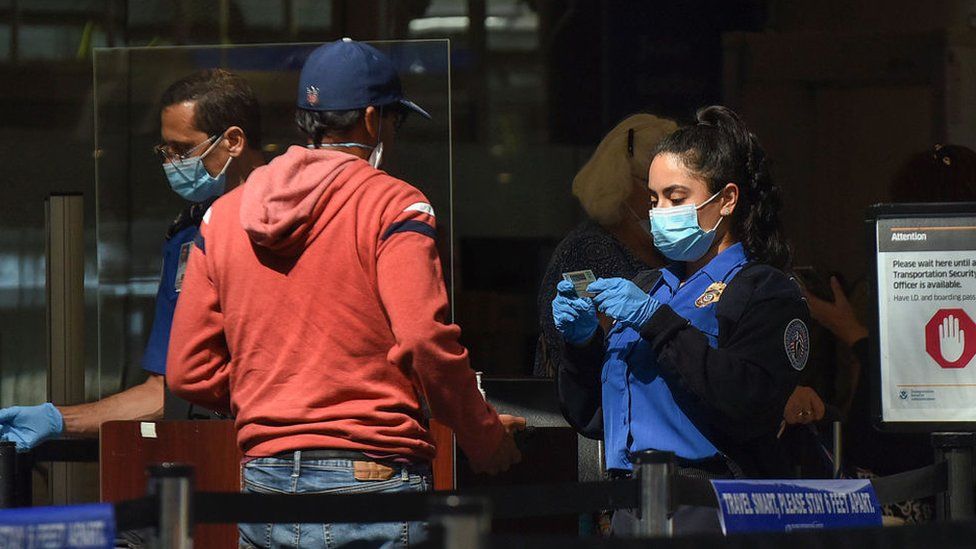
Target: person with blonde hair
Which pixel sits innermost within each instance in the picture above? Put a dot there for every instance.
(614, 240)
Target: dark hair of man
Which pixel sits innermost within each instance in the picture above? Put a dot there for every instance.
(721, 150)
(222, 99)
(318, 125)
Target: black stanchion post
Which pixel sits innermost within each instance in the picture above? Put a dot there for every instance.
(8, 474)
(654, 470)
(838, 441)
(956, 449)
(172, 484)
(462, 522)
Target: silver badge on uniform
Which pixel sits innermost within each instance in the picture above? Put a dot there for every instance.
(185, 250)
(796, 339)
(712, 294)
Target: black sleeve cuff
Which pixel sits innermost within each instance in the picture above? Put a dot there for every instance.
(586, 357)
(662, 326)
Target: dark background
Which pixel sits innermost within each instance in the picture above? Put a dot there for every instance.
(840, 92)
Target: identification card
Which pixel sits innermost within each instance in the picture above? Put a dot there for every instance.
(580, 280)
(185, 250)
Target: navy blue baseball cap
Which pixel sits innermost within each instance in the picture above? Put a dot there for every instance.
(348, 75)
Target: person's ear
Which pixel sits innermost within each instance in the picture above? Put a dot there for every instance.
(235, 140)
(371, 119)
(730, 198)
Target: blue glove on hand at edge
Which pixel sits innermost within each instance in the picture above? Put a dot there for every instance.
(28, 426)
(623, 300)
(575, 317)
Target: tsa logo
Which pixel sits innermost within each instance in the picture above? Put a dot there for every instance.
(903, 395)
(796, 339)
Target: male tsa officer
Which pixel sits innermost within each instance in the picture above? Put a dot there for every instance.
(211, 132)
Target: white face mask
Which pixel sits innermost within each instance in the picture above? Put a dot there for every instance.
(376, 157)
(376, 151)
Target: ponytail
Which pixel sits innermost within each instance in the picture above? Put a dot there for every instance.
(720, 149)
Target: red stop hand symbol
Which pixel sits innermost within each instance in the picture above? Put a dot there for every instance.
(950, 338)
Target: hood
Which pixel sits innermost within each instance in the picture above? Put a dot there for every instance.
(284, 201)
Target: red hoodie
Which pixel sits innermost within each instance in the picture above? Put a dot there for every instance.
(313, 308)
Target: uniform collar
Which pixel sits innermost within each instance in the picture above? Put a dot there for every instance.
(717, 269)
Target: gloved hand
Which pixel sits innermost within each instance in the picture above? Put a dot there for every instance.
(623, 300)
(28, 426)
(575, 317)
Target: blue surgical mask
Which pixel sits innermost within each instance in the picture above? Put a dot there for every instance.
(677, 233)
(190, 179)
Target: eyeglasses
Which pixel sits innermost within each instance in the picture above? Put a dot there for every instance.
(169, 153)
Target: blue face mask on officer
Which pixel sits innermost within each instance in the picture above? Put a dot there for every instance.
(189, 178)
(677, 233)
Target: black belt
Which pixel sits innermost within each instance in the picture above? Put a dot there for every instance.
(314, 455)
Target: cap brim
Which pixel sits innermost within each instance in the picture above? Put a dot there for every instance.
(415, 108)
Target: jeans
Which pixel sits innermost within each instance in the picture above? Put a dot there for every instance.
(329, 476)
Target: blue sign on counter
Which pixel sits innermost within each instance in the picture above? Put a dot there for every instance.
(72, 526)
(786, 505)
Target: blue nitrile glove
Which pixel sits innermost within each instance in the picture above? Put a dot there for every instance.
(623, 300)
(28, 426)
(575, 317)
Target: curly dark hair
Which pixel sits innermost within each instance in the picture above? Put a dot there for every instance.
(720, 149)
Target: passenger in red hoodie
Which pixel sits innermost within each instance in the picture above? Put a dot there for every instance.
(314, 310)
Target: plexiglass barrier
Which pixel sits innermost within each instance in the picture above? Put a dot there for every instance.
(135, 205)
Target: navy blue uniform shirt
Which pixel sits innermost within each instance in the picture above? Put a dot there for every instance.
(176, 252)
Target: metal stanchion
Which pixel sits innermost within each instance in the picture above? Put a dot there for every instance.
(8, 474)
(654, 470)
(65, 291)
(956, 449)
(838, 448)
(461, 522)
(172, 483)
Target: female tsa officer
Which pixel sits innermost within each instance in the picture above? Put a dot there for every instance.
(703, 353)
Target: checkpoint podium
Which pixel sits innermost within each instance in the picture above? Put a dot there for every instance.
(128, 448)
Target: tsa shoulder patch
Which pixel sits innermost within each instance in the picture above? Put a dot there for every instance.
(796, 339)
